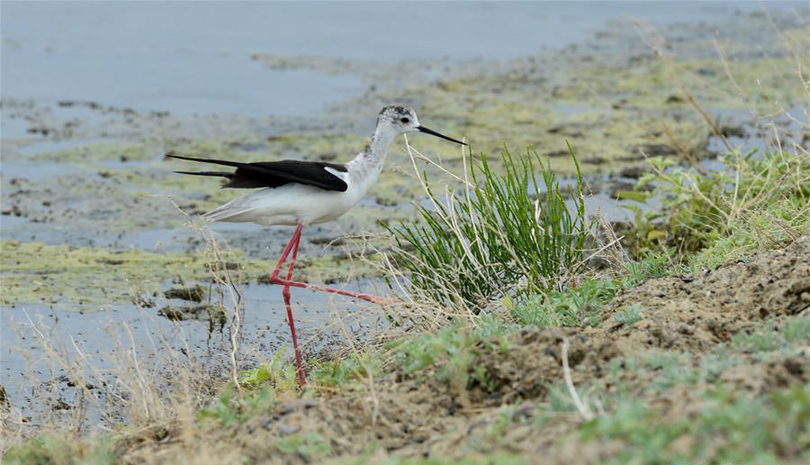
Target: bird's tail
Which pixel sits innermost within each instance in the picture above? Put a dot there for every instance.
(223, 174)
(231, 211)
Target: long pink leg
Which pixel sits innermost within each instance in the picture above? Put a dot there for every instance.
(286, 294)
(314, 287)
(293, 240)
(292, 246)
(274, 279)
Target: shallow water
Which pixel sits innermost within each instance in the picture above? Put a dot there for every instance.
(104, 337)
(195, 57)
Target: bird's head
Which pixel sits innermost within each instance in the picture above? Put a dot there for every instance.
(402, 119)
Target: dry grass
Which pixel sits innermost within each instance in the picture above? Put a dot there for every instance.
(140, 382)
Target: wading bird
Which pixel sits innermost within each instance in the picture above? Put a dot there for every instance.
(300, 193)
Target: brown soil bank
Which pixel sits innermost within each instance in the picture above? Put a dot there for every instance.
(707, 367)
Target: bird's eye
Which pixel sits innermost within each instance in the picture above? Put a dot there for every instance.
(405, 120)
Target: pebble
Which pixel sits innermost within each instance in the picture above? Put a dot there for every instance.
(286, 429)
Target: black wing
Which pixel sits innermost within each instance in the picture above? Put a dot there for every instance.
(274, 173)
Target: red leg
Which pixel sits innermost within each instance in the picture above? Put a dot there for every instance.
(357, 295)
(293, 240)
(286, 294)
(274, 279)
(292, 246)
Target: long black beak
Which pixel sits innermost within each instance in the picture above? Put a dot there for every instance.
(434, 133)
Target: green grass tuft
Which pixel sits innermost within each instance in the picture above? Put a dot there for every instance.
(342, 372)
(503, 234)
(230, 409)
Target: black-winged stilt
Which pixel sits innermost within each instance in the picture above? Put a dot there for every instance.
(299, 193)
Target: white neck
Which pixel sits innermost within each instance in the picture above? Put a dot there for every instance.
(381, 141)
(367, 165)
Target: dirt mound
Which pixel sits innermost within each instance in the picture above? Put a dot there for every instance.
(696, 313)
(693, 314)
(532, 362)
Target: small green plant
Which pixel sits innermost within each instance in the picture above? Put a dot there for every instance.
(754, 202)
(653, 264)
(727, 428)
(452, 352)
(580, 306)
(230, 409)
(773, 336)
(762, 228)
(503, 233)
(51, 450)
(630, 315)
(671, 368)
(306, 447)
(491, 326)
(276, 373)
(420, 352)
(335, 373)
(796, 329)
(714, 364)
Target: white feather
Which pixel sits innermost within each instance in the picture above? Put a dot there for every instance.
(287, 205)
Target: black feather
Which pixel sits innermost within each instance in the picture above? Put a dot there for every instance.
(224, 174)
(274, 173)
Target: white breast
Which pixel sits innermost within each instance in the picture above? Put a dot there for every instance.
(289, 204)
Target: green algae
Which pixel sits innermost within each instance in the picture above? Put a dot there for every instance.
(194, 293)
(101, 152)
(651, 83)
(327, 65)
(94, 277)
(97, 278)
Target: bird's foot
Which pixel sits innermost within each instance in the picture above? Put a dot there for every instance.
(314, 287)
